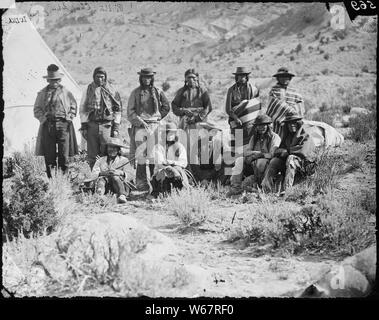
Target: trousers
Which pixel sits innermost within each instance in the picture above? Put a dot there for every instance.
(113, 184)
(56, 133)
(142, 143)
(259, 166)
(289, 167)
(98, 133)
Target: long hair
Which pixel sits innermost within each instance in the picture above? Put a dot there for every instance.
(284, 131)
(246, 75)
(151, 83)
(269, 133)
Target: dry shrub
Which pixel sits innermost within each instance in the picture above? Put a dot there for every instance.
(30, 207)
(327, 169)
(61, 192)
(150, 280)
(363, 126)
(190, 205)
(339, 225)
(96, 203)
(326, 116)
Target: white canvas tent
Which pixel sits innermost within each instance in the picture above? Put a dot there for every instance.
(26, 57)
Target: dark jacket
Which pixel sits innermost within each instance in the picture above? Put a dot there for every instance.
(135, 109)
(200, 105)
(299, 144)
(70, 107)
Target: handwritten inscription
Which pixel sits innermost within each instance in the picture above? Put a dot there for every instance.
(86, 6)
(17, 19)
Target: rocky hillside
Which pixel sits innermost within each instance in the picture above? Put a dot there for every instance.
(215, 38)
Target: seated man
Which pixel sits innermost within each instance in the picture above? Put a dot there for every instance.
(110, 171)
(170, 161)
(257, 155)
(294, 154)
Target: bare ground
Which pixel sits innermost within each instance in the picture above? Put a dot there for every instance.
(240, 269)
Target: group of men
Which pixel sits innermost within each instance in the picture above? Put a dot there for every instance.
(276, 142)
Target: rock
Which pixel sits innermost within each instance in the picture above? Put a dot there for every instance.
(358, 110)
(354, 277)
(312, 111)
(12, 274)
(345, 120)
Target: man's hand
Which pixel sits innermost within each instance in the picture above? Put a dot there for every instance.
(191, 120)
(84, 133)
(237, 121)
(146, 126)
(188, 113)
(253, 155)
(278, 152)
(284, 154)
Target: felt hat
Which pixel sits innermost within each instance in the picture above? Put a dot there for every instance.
(283, 71)
(146, 72)
(53, 73)
(292, 117)
(115, 142)
(262, 119)
(241, 70)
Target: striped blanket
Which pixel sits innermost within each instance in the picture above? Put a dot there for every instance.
(321, 133)
(246, 111)
(278, 110)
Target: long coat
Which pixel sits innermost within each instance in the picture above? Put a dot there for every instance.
(70, 107)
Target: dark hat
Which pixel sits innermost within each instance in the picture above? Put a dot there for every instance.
(146, 72)
(262, 119)
(115, 142)
(191, 72)
(241, 70)
(292, 117)
(53, 73)
(283, 71)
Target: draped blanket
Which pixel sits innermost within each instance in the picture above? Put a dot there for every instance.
(320, 132)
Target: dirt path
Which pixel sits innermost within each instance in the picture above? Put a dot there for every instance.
(234, 270)
(237, 269)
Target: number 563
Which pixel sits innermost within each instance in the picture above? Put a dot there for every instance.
(362, 5)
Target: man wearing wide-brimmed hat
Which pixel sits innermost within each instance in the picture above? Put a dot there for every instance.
(55, 108)
(147, 105)
(257, 155)
(170, 158)
(242, 105)
(285, 93)
(240, 93)
(100, 114)
(295, 155)
(110, 171)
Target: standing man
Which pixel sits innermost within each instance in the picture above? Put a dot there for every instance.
(242, 104)
(295, 155)
(191, 103)
(55, 108)
(100, 114)
(287, 98)
(147, 105)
